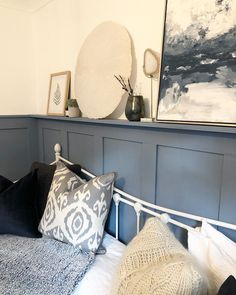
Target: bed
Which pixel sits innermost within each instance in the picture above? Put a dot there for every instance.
(98, 279)
(98, 272)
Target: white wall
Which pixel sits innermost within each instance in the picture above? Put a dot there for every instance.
(61, 27)
(48, 40)
(16, 65)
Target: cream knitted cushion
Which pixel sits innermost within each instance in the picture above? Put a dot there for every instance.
(156, 263)
(178, 276)
(154, 243)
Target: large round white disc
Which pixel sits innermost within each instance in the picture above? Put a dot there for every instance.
(106, 52)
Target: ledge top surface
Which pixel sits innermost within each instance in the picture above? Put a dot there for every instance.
(230, 129)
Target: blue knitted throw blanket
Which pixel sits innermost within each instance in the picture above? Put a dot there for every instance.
(40, 266)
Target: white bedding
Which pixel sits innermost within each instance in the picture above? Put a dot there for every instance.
(98, 280)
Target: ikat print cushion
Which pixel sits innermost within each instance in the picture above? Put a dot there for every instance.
(78, 216)
(45, 175)
(63, 182)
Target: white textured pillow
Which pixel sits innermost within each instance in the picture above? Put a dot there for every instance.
(219, 239)
(176, 276)
(212, 258)
(154, 243)
(155, 262)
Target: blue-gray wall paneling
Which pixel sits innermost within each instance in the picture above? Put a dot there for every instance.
(184, 169)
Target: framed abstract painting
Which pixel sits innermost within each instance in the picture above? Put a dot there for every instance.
(198, 76)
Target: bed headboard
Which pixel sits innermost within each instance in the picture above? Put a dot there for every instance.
(187, 171)
(140, 206)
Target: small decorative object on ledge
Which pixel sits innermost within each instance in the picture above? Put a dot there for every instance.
(105, 52)
(73, 108)
(134, 109)
(151, 69)
(58, 93)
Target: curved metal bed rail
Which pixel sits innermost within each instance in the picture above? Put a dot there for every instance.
(140, 205)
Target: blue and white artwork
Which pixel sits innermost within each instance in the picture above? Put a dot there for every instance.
(198, 81)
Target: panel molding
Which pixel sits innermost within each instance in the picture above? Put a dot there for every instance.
(19, 146)
(214, 147)
(210, 146)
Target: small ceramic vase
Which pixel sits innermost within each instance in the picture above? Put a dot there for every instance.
(73, 112)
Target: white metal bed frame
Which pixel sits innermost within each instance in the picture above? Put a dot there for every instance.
(143, 206)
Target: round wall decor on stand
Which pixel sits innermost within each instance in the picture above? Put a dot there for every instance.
(151, 69)
(106, 52)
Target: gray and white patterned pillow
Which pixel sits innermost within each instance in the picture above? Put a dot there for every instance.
(63, 182)
(78, 217)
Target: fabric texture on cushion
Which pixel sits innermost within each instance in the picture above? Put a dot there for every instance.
(177, 275)
(228, 287)
(219, 239)
(40, 266)
(154, 243)
(217, 263)
(77, 215)
(17, 211)
(45, 176)
(155, 262)
(4, 183)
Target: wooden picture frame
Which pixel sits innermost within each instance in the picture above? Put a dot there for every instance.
(198, 73)
(59, 88)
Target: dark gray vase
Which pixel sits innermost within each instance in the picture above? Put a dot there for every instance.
(134, 109)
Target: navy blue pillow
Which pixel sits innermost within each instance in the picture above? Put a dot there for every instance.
(17, 208)
(4, 183)
(228, 287)
(45, 176)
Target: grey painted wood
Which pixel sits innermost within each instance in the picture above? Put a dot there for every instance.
(14, 143)
(176, 168)
(81, 149)
(124, 157)
(189, 168)
(189, 181)
(18, 146)
(50, 137)
(228, 129)
(227, 210)
(186, 179)
(33, 141)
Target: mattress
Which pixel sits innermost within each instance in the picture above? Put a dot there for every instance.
(98, 280)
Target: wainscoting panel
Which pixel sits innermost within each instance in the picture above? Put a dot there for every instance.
(180, 169)
(81, 149)
(18, 146)
(189, 168)
(50, 136)
(228, 200)
(124, 157)
(187, 179)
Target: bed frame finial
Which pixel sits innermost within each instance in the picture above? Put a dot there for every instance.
(57, 150)
(116, 198)
(165, 217)
(138, 209)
